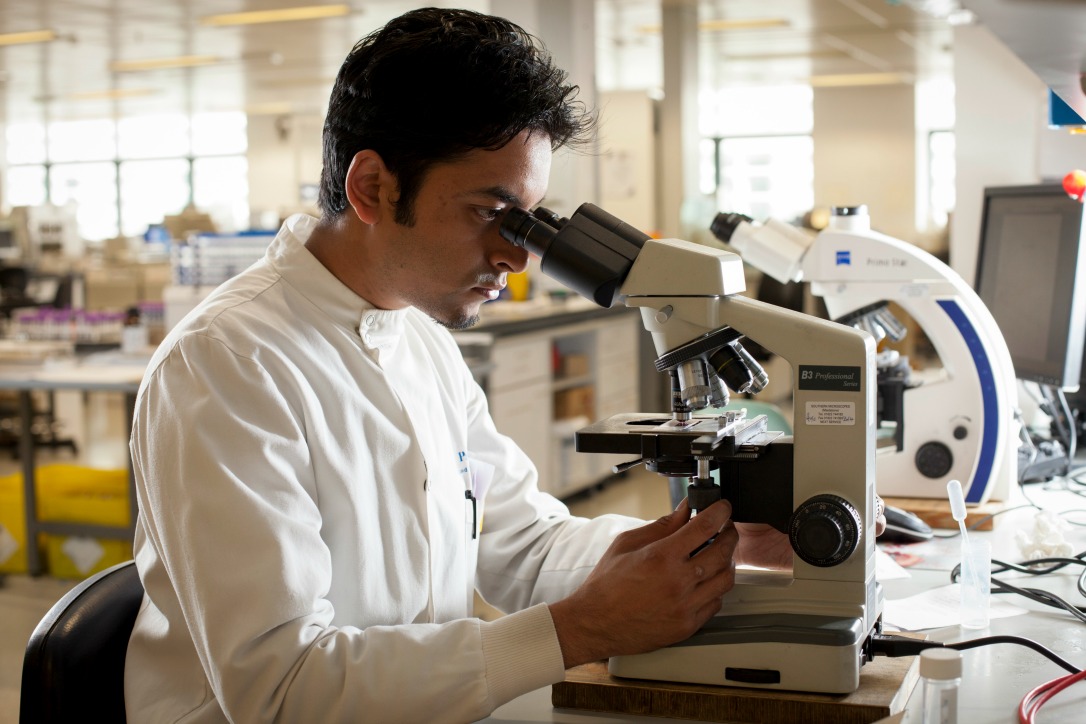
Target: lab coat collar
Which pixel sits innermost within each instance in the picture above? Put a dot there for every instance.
(378, 328)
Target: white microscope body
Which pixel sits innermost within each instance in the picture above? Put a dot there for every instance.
(805, 629)
(958, 425)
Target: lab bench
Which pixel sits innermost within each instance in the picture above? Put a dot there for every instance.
(120, 375)
(994, 677)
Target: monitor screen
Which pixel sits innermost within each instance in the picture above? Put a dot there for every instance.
(1031, 274)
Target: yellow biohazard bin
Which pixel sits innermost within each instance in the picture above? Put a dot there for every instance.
(66, 494)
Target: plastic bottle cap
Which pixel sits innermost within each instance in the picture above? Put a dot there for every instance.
(941, 663)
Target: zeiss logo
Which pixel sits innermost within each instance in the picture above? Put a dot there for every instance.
(844, 258)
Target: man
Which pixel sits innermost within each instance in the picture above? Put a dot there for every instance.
(321, 487)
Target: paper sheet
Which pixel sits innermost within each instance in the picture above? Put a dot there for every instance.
(886, 568)
(936, 608)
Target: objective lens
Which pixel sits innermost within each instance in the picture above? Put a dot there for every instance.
(694, 384)
(718, 393)
(758, 378)
(731, 368)
(895, 330)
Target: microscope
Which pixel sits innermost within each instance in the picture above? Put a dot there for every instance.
(805, 629)
(958, 423)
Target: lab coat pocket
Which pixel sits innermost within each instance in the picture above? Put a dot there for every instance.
(480, 475)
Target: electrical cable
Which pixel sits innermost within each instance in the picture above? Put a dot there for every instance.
(893, 646)
(1037, 595)
(981, 521)
(1035, 699)
(1069, 417)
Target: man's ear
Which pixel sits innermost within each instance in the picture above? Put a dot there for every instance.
(367, 180)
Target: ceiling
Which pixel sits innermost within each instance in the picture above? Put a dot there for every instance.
(288, 67)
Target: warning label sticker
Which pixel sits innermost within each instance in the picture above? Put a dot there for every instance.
(830, 413)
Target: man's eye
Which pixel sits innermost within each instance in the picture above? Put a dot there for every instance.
(489, 214)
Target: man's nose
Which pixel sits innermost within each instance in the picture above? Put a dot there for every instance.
(507, 257)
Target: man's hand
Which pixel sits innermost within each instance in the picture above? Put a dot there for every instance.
(647, 591)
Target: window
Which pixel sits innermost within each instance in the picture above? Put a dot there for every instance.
(93, 189)
(757, 154)
(151, 190)
(127, 175)
(941, 176)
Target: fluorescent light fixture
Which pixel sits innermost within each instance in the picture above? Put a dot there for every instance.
(269, 109)
(110, 95)
(30, 36)
(726, 24)
(857, 79)
(180, 61)
(309, 12)
(743, 24)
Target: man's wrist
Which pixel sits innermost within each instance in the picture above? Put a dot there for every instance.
(573, 639)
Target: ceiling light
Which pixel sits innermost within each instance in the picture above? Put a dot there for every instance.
(269, 109)
(109, 95)
(857, 79)
(723, 25)
(311, 12)
(181, 61)
(30, 36)
(743, 24)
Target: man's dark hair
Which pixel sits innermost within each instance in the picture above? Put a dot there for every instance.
(435, 84)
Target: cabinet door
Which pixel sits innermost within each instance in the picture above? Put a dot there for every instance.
(617, 368)
(519, 395)
(524, 414)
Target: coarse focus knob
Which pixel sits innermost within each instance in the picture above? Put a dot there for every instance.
(825, 530)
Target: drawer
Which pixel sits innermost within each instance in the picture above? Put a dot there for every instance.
(517, 361)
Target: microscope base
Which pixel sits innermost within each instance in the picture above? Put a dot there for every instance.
(791, 652)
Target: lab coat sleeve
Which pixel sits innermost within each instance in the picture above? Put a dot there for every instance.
(531, 549)
(227, 501)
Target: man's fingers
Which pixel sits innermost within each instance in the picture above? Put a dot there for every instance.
(656, 530)
(704, 526)
(716, 556)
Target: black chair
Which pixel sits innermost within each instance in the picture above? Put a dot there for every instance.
(73, 669)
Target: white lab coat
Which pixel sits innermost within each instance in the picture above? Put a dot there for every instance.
(304, 538)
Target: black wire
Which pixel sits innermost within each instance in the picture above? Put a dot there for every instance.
(891, 646)
(981, 521)
(1064, 513)
(1038, 595)
(1029, 643)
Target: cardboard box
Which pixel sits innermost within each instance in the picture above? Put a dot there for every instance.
(574, 365)
(575, 402)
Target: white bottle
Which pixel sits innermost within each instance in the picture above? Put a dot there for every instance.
(941, 674)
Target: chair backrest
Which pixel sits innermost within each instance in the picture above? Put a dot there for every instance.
(73, 669)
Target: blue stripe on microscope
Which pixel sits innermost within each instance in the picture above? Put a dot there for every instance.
(982, 477)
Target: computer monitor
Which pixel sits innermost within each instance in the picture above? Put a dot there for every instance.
(1031, 274)
(10, 248)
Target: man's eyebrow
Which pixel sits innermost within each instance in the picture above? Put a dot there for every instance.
(501, 194)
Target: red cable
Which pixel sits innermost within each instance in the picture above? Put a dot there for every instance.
(1028, 708)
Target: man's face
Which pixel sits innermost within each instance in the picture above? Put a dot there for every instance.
(452, 259)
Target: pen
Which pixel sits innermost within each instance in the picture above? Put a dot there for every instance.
(468, 495)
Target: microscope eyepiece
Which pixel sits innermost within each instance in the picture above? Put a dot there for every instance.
(725, 224)
(522, 228)
(591, 252)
